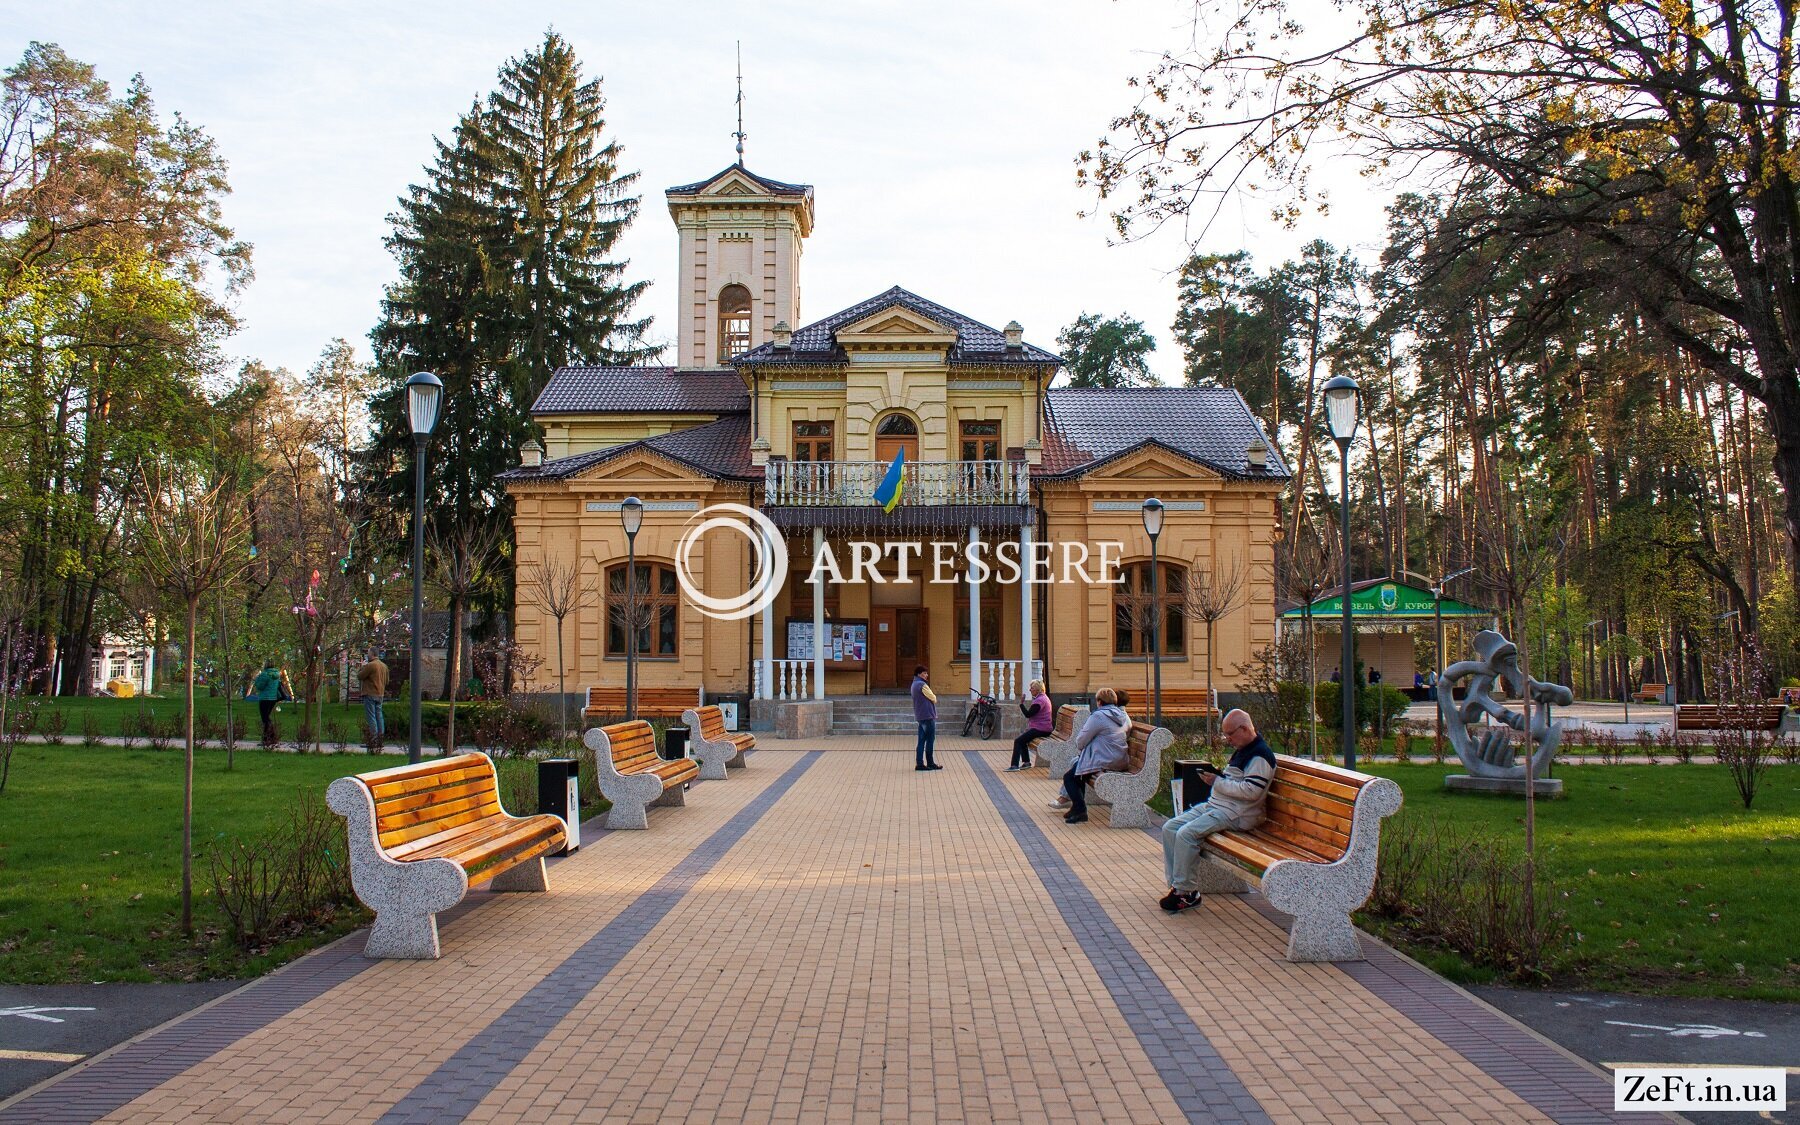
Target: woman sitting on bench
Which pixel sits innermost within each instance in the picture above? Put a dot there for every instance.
(1040, 719)
(1100, 746)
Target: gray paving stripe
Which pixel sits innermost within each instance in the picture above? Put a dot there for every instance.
(1202, 1083)
(466, 1078)
(1552, 1083)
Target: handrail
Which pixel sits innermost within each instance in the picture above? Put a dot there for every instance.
(820, 484)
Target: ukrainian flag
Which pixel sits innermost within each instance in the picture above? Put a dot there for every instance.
(893, 483)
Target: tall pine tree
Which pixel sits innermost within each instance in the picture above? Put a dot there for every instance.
(504, 277)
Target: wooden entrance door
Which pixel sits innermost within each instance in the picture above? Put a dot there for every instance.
(898, 642)
(886, 447)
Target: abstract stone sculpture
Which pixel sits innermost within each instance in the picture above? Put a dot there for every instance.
(1488, 753)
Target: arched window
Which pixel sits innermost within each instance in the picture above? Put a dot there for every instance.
(734, 322)
(655, 610)
(897, 425)
(1135, 609)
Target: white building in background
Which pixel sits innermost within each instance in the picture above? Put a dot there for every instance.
(117, 659)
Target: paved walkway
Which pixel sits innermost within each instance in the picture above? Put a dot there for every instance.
(832, 936)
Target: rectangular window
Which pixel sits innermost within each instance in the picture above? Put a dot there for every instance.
(812, 441)
(980, 441)
(800, 594)
(991, 617)
(654, 610)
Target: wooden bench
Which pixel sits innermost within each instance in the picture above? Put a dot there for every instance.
(420, 834)
(1733, 716)
(1788, 697)
(1314, 853)
(1126, 790)
(1650, 693)
(1056, 750)
(633, 776)
(715, 747)
(1184, 703)
(657, 702)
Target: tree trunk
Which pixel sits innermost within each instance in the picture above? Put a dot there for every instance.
(187, 785)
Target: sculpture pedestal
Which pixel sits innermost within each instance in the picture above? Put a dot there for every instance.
(1510, 786)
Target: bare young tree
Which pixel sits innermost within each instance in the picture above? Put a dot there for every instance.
(1305, 570)
(559, 588)
(1134, 610)
(193, 539)
(459, 564)
(1210, 593)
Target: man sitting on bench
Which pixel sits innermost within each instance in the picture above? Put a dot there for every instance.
(1235, 801)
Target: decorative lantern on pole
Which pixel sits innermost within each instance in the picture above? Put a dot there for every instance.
(424, 398)
(1342, 400)
(631, 514)
(1153, 523)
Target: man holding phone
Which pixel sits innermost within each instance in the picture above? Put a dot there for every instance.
(1235, 801)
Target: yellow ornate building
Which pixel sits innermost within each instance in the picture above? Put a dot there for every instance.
(801, 424)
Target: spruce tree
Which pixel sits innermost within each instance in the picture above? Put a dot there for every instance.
(555, 176)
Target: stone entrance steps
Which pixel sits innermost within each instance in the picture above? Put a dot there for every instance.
(888, 714)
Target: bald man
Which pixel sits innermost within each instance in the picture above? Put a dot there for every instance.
(1236, 801)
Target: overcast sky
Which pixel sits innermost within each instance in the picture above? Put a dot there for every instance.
(940, 137)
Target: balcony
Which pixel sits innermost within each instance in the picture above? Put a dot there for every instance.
(929, 484)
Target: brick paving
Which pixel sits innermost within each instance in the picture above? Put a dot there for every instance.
(834, 937)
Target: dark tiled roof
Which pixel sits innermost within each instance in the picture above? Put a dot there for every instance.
(1085, 428)
(595, 390)
(718, 449)
(774, 187)
(976, 343)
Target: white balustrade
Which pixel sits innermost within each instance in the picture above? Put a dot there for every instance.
(820, 484)
(1003, 679)
(786, 679)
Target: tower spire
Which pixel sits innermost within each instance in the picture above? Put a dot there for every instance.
(740, 134)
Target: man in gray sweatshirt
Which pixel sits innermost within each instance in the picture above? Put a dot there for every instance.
(1236, 801)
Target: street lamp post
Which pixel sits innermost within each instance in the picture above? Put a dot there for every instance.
(424, 397)
(1153, 522)
(1341, 403)
(631, 514)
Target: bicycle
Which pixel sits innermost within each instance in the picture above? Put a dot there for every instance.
(983, 717)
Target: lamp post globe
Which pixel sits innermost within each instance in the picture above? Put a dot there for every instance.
(424, 400)
(631, 516)
(1153, 524)
(1343, 400)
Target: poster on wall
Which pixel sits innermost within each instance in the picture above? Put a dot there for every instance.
(846, 643)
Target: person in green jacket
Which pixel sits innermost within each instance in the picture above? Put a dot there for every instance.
(266, 690)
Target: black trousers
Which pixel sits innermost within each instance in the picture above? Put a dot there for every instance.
(1076, 788)
(267, 707)
(1022, 746)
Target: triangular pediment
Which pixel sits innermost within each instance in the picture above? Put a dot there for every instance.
(896, 324)
(1153, 462)
(639, 465)
(734, 182)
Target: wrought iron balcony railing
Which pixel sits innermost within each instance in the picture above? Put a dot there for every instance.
(831, 484)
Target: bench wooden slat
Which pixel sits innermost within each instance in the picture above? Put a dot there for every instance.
(1305, 835)
(424, 781)
(397, 810)
(477, 851)
(1285, 807)
(662, 702)
(406, 826)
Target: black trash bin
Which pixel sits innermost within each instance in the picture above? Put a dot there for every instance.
(1194, 789)
(559, 794)
(675, 743)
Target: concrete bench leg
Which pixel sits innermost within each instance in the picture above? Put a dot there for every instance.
(1212, 878)
(736, 761)
(405, 897)
(675, 796)
(527, 876)
(630, 796)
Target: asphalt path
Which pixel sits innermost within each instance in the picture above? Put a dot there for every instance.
(47, 1028)
(1614, 1030)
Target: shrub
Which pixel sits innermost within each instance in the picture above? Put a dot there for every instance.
(1465, 890)
(297, 875)
(91, 734)
(52, 725)
(1403, 745)
(169, 731)
(206, 729)
(503, 728)
(336, 734)
(1376, 705)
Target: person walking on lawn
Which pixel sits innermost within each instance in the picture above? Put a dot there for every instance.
(372, 680)
(924, 702)
(266, 690)
(1235, 800)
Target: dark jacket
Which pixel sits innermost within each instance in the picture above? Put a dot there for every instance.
(1244, 785)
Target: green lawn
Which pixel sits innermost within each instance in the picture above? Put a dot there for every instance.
(1669, 885)
(90, 858)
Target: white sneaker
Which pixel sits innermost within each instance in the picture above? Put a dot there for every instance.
(1061, 803)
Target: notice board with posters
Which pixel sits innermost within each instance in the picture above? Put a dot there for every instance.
(846, 643)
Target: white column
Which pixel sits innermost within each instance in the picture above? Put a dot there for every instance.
(818, 615)
(974, 615)
(1024, 607)
(765, 677)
